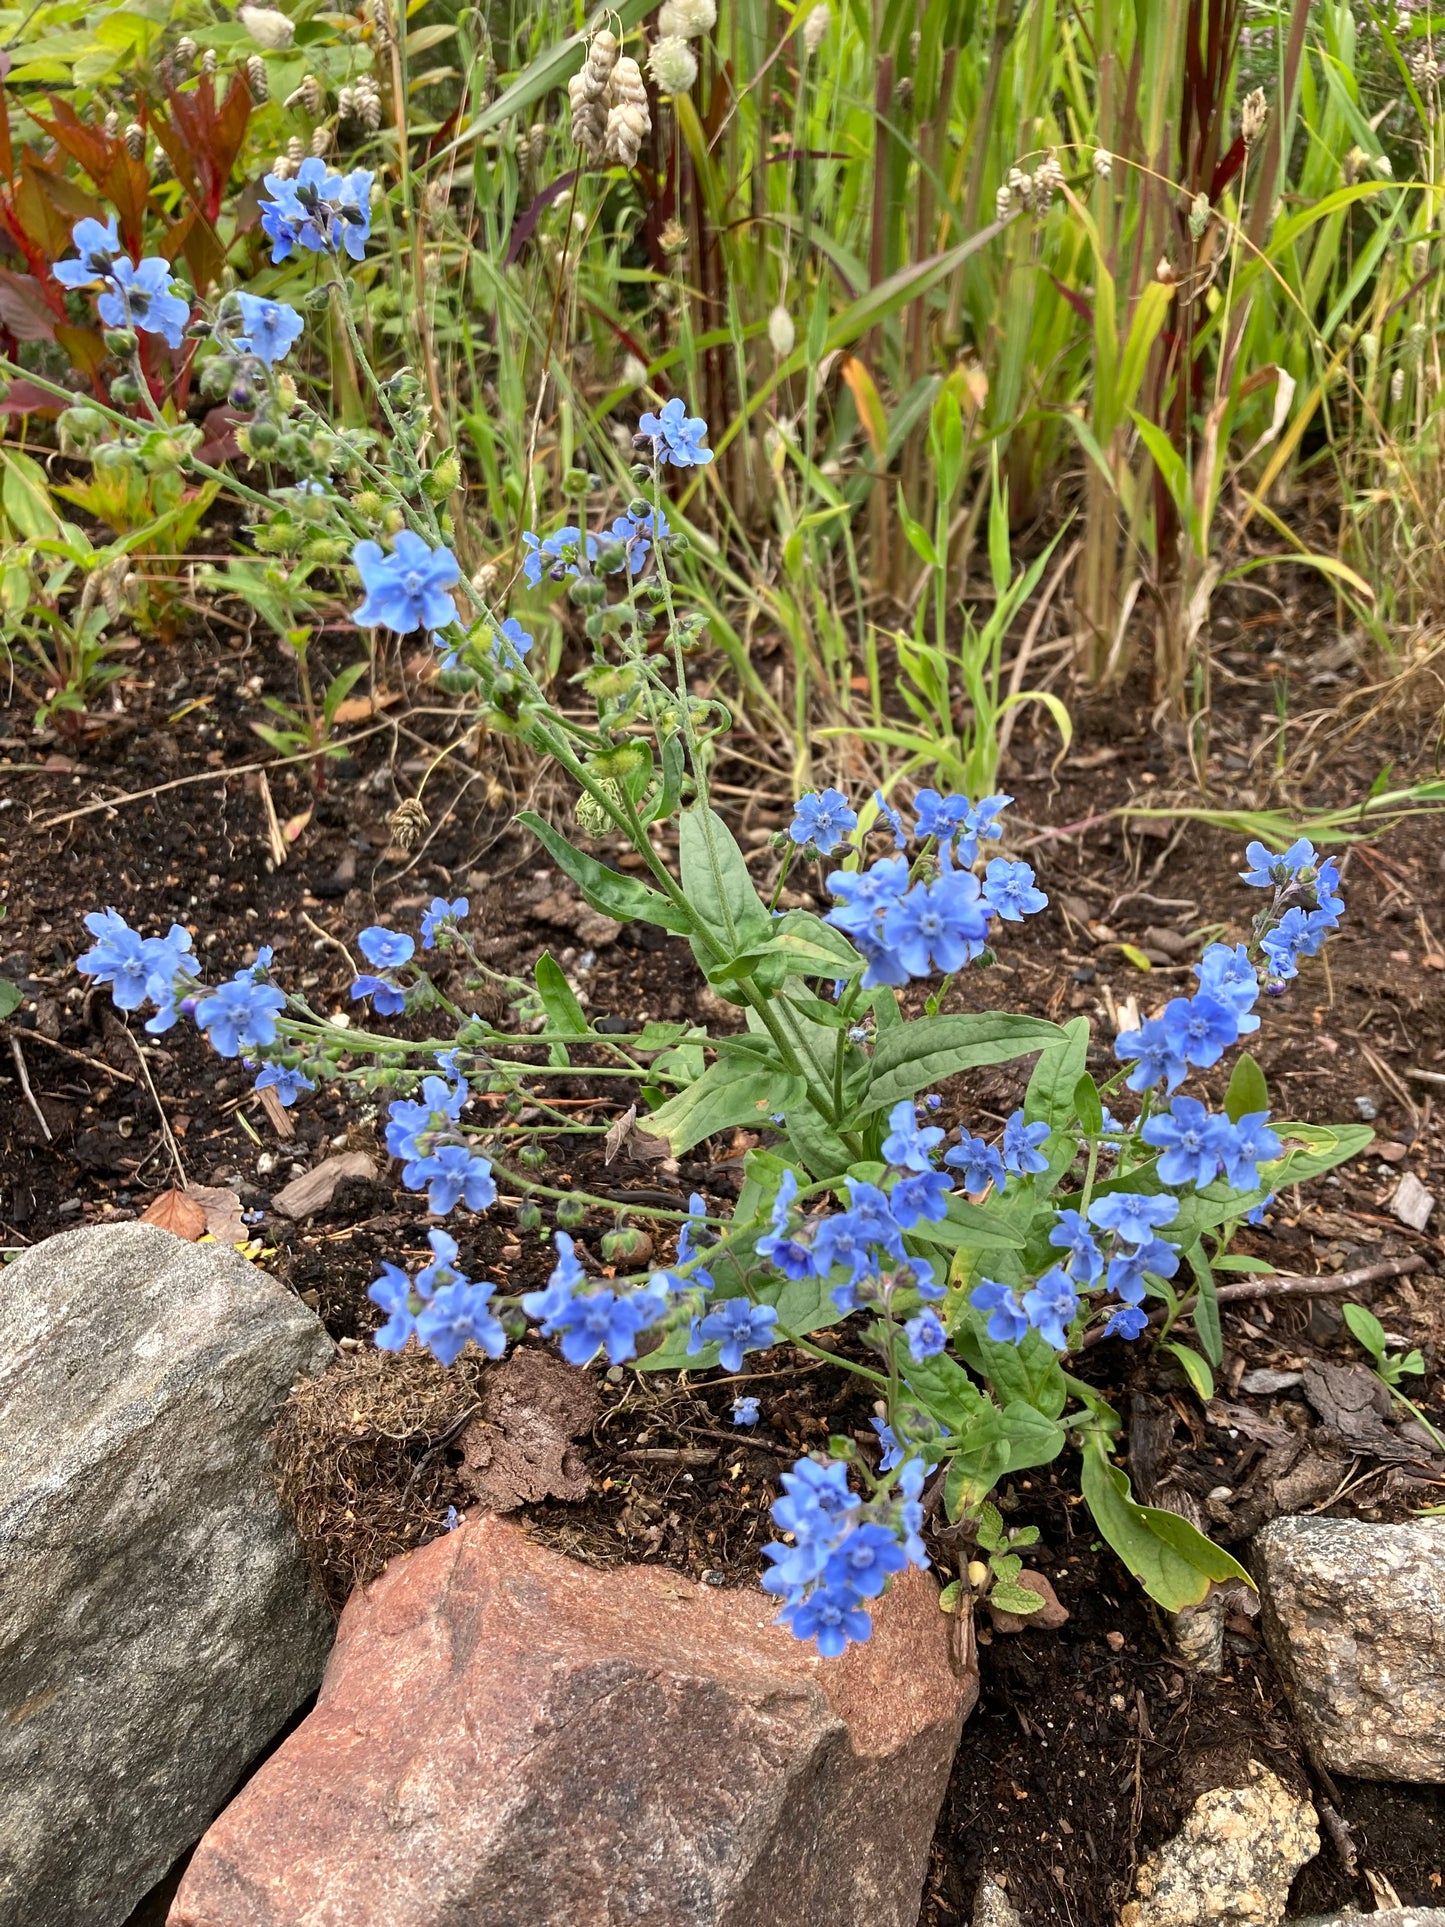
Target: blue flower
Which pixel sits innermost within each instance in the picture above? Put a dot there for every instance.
(1299, 933)
(892, 818)
(922, 1274)
(386, 999)
(561, 554)
(1201, 1028)
(1252, 1144)
(924, 1196)
(240, 1016)
(138, 969)
(139, 296)
(814, 1495)
(1128, 1269)
(387, 949)
(1020, 1145)
(909, 1145)
(600, 1320)
(1007, 1325)
(287, 1084)
(738, 1327)
(865, 895)
(1155, 1054)
(676, 436)
(99, 249)
(942, 817)
(405, 590)
(1051, 1306)
(831, 1615)
(982, 820)
(636, 534)
(979, 1162)
(1009, 887)
(1127, 1322)
(439, 915)
(822, 819)
(1257, 1214)
(1194, 1142)
(1071, 1233)
(1225, 972)
(745, 1411)
(938, 926)
(510, 635)
(1133, 1216)
(351, 222)
(318, 210)
(1268, 871)
(392, 1292)
(865, 1559)
(457, 1313)
(926, 1336)
(547, 1307)
(786, 1254)
(409, 1120)
(271, 328)
(456, 1175)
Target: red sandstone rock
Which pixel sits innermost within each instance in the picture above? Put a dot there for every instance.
(505, 1738)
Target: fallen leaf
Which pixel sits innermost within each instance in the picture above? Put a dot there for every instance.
(359, 709)
(314, 1189)
(223, 1212)
(173, 1211)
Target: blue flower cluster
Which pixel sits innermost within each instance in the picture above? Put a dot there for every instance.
(1052, 1302)
(838, 1552)
(407, 589)
(902, 925)
(674, 436)
(572, 551)
(318, 210)
(1194, 1031)
(596, 1319)
(1196, 1144)
(140, 970)
(1307, 905)
(425, 1134)
(133, 294)
(440, 1306)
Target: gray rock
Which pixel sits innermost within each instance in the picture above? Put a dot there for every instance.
(1264, 1383)
(1355, 1618)
(1232, 1862)
(157, 1626)
(992, 1906)
(1389, 1917)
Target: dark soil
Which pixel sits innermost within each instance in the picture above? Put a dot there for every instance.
(1086, 1750)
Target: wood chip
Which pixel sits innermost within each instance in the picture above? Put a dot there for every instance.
(314, 1190)
(1412, 1203)
(173, 1211)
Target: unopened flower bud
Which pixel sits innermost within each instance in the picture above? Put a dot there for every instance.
(571, 1212)
(120, 342)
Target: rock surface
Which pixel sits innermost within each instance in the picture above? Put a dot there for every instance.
(1232, 1862)
(505, 1736)
(992, 1906)
(1387, 1917)
(156, 1624)
(1355, 1617)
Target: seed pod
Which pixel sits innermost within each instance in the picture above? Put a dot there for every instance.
(309, 97)
(1370, 349)
(209, 62)
(1103, 163)
(135, 140)
(381, 26)
(815, 27)
(185, 53)
(257, 82)
(1164, 272)
(673, 66)
(160, 164)
(111, 124)
(571, 1212)
(321, 138)
(1253, 117)
(281, 167)
(296, 149)
(408, 823)
(627, 128)
(1397, 385)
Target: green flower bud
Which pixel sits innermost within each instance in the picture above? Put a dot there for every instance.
(327, 548)
(611, 556)
(242, 392)
(120, 342)
(586, 592)
(595, 627)
(627, 1245)
(571, 1213)
(260, 437)
(125, 391)
(638, 509)
(444, 478)
(81, 426)
(576, 482)
(529, 1216)
(532, 1157)
(370, 504)
(394, 521)
(627, 759)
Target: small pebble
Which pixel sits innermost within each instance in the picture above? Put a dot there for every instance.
(1220, 1492)
(1264, 1383)
(1114, 1642)
(1365, 1108)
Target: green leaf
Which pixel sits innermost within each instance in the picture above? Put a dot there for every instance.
(558, 998)
(1206, 1307)
(340, 687)
(735, 1090)
(929, 1049)
(946, 1392)
(11, 997)
(25, 495)
(951, 1596)
(716, 883)
(1247, 1089)
(1319, 1149)
(1031, 1437)
(990, 1527)
(971, 1227)
(1050, 1095)
(814, 1143)
(624, 898)
(1174, 1563)
(1237, 1261)
(1088, 1108)
(1028, 1373)
(1010, 1597)
(1366, 1330)
(1195, 1370)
